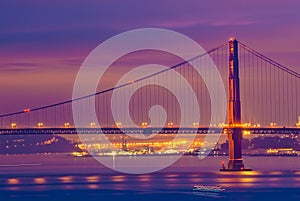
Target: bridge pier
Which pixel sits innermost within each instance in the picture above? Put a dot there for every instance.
(234, 132)
(235, 149)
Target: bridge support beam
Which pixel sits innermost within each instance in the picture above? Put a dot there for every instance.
(234, 112)
(235, 149)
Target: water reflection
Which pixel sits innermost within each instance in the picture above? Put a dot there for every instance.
(93, 186)
(66, 179)
(13, 188)
(13, 181)
(118, 178)
(67, 187)
(275, 173)
(181, 183)
(92, 179)
(144, 178)
(40, 180)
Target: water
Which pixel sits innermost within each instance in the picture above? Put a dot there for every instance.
(59, 176)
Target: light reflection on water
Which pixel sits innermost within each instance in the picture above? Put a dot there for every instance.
(156, 183)
(158, 180)
(92, 179)
(144, 178)
(66, 179)
(13, 181)
(40, 180)
(75, 174)
(118, 178)
(93, 186)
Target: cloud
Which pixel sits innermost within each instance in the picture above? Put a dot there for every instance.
(18, 66)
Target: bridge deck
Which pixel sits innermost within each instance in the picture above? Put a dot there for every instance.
(186, 130)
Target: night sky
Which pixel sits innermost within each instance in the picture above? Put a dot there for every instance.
(43, 43)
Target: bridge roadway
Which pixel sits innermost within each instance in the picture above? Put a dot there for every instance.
(152, 130)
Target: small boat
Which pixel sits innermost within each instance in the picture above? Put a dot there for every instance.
(203, 188)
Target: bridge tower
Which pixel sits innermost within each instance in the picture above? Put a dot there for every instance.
(234, 131)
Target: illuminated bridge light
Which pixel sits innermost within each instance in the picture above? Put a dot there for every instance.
(66, 125)
(144, 124)
(196, 124)
(298, 123)
(93, 125)
(26, 110)
(170, 124)
(13, 125)
(118, 124)
(40, 125)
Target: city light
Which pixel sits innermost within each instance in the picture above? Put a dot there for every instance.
(66, 125)
(93, 125)
(40, 125)
(245, 132)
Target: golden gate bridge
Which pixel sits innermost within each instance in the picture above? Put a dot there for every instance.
(263, 98)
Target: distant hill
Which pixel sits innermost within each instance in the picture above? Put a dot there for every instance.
(29, 144)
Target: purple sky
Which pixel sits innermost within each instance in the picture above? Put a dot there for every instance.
(42, 44)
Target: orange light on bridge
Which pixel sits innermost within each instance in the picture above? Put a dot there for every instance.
(144, 124)
(195, 124)
(93, 125)
(13, 125)
(118, 124)
(40, 125)
(170, 124)
(66, 125)
(246, 124)
(26, 110)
